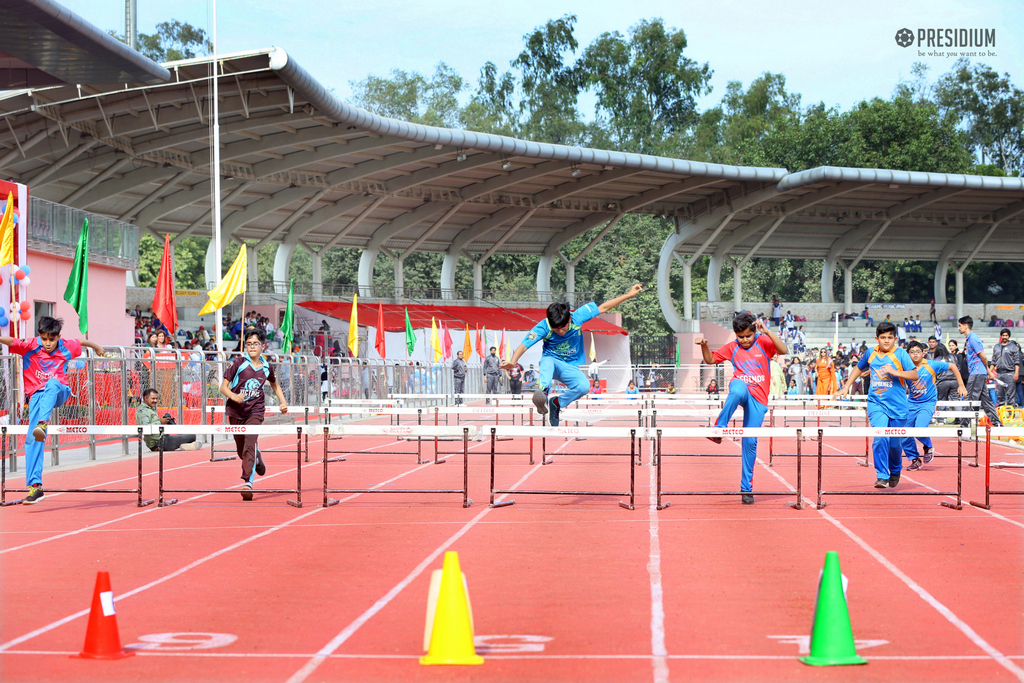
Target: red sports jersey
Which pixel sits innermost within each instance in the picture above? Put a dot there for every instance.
(751, 365)
(40, 366)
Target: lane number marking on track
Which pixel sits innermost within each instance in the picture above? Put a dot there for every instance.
(182, 641)
(507, 645)
(804, 643)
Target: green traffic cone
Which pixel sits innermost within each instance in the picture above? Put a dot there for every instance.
(832, 637)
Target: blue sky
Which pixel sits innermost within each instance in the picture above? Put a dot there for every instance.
(836, 56)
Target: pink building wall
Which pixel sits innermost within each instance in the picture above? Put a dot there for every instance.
(108, 323)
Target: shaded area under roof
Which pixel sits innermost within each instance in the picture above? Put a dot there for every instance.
(44, 43)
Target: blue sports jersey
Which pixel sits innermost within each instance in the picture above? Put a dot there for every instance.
(887, 392)
(972, 347)
(922, 390)
(567, 347)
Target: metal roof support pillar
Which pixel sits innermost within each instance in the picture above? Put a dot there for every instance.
(282, 265)
(570, 283)
(544, 277)
(213, 272)
(847, 289)
(941, 271)
(318, 273)
(478, 279)
(828, 269)
(959, 293)
(400, 274)
(251, 255)
(737, 284)
(367, 261)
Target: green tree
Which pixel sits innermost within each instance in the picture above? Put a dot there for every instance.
(411, 97)
(174, 40)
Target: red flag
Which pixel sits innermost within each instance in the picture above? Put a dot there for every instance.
(446, 342)
(501, 346)
(164, 307)
(378, 343)
(479, 344)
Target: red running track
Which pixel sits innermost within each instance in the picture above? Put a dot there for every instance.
(563, 587)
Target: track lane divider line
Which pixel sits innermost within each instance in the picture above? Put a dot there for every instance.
(328, 650)
(659, 652)
(972, 635)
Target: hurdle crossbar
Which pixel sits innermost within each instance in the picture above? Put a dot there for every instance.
(660, 433)
(464, 431)
(118, 430)
(894, 432)
(273, 409)
(634, 434)
(234, 430)
(333, 435)
(998, 432)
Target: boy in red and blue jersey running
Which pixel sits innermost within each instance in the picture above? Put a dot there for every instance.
(750, 355)
(44, 363)
(891, 371)
(923, 396)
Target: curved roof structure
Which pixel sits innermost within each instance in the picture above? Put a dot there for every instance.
(301, 167)
(44, 43)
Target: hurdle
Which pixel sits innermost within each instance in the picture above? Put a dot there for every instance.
(23, 430)
(998, 431)
(587, 416)
(220, 409)
(633, 433)
(804, 414)
(394, 430)
(895, 432)
(233, 430)
(379, 411)
(661, 433)
(478, 411)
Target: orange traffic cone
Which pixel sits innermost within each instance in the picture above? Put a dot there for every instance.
(101, 638)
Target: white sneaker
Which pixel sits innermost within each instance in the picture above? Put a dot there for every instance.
(194, 446)
(247, 491)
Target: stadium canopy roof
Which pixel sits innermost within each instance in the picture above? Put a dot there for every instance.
(43, 43)
(302, 168)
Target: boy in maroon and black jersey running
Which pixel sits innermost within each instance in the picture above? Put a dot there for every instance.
(243, 386)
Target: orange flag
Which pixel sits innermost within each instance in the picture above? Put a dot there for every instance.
(378, 343)
(467, 347)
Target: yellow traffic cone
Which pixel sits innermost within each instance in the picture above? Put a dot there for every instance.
(451, 634)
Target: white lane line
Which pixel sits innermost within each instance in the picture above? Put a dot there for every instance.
(193, 565)
(376, 656)
(659, 663)
(947, 613)
(346, 633)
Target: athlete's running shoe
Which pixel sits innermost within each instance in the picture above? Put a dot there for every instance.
(748, 499)
(540, 400)
(915, 464)
(929, 453)
(881, 483)
(40, 431)
(261, 467)
(555, 410)
(893, 480)
(35, 494)
(247, 491)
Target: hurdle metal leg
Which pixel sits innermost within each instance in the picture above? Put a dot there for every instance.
(298, 467)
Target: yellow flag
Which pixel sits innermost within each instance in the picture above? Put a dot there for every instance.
(435, 342)
(231, 285)
(7, 233)
(353, 328)
(593, 349)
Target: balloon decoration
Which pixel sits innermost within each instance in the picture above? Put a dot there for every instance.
(25, 305)
(19, 310)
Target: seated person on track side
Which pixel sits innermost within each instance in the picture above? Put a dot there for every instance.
(246, 406)
(562, 334)
(887, 400)
(923, 396)
(44, 362)
(750, 355)
(145, 414)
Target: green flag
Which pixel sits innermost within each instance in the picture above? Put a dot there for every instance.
(287, 324)
(677, 350)
(410, 337)
(77, 293)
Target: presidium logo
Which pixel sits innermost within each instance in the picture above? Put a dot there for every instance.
(966, 42)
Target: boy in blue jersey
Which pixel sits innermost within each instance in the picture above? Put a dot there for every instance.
(562, 334)
(923, 396)
(890, 369)
(977, 368)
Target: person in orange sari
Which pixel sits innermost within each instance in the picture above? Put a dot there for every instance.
(826, 374)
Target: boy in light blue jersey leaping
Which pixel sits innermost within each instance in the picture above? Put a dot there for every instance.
(562, 334)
